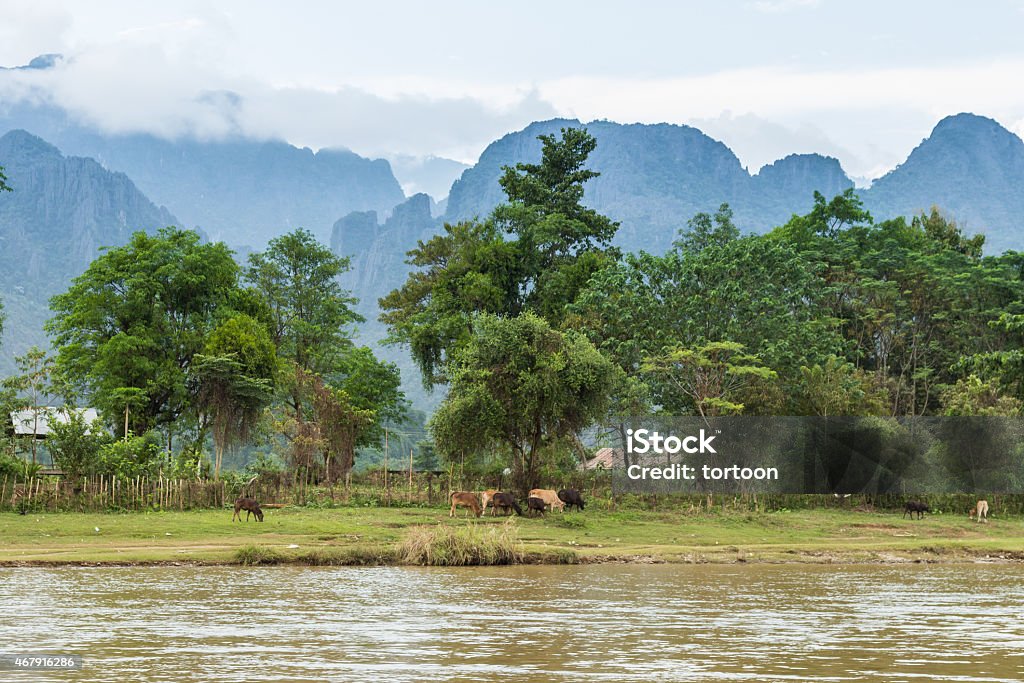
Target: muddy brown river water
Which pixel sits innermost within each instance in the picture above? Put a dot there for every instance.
(536, 623)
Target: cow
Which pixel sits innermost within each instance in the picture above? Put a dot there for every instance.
(980, 510)
(466, 499)
(549, 497)
(250, 506)
(571, 497)
(485, 498)
(535, 504)
(915, 506)
(507, 502)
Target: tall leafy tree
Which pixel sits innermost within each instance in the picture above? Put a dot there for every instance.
(233, 381)
(311, 314)
(127, 329)
(535, 253)
(518, 386)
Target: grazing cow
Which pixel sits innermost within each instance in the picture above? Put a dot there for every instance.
(485, 498)
(549, 497)
(250, 506)
(571, 497)
(535, 504)
(915, 506)
(980, 510)
(507, 502)
(466, 499)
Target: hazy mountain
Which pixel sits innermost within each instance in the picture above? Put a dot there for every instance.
(972, 168)
(62, 210)
(377, 252)
(240, 190)
(656, 177)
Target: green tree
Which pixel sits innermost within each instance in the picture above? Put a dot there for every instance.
(233, 381)
(76, 445)
(519, 386)
(535, 253)
(561, 243)
(32, 384)
(468, 269)
(836, 387)
(4, 187)
(311, 314)
(710, 379)
(127, 329)
(704, 230)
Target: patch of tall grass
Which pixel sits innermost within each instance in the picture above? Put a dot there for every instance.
(461, 546)
(254, 555)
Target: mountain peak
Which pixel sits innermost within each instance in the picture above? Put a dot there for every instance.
(21, 143)
(966, 122)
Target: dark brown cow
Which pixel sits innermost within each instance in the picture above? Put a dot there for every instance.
(571, 497)
(916, 506)
(535, 504)
(507, 502)
(250, 506)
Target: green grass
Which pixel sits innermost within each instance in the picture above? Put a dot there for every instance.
(370, 535)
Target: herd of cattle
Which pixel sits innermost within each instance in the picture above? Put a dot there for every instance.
(540, 500)
(537, 502)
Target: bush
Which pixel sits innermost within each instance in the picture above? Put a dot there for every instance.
(472, 545)
(75, 445)
(136, 456)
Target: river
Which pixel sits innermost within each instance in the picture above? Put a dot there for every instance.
(533, 623)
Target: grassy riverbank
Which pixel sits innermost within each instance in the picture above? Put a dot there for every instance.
(365, 535)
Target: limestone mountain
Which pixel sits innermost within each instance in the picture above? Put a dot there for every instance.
(656, 177)
(240, 190)
(972, 168)
(61, 212)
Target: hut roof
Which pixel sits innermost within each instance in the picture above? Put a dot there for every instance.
(24, 421)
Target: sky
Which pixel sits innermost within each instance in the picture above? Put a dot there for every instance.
(862, 81)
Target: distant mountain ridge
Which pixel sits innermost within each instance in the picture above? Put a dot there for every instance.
(655, 177)
(62, 210)
(241, 190)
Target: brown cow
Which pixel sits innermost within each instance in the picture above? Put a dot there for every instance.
(980, 510)
(250, 506)
(485, 498)
(466, 499)
(549, 497)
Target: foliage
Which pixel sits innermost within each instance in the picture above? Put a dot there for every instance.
(710, 379)
(233, 381)
(310, 312)
(76, 445)
(127, 329)
(517, 386)
(135, 456)
(554, 245)
(33, 383)
(973, 396)
(837, 387)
